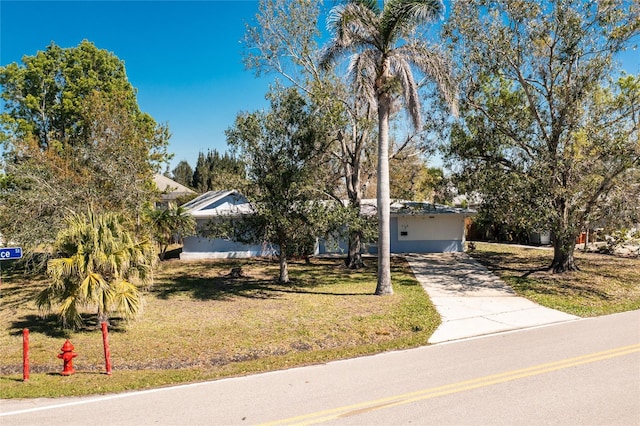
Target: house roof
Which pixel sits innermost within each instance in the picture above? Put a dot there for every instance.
(228, 203)
(231, 203)
(170, 188)
(368, 207)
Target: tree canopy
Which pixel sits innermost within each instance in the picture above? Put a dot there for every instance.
(183, 174)
(215, 171)
(284, 150)
(73, 137)
(285, 42)
(548, 132)
(169, 225)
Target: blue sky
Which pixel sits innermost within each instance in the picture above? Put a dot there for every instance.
(184, 57)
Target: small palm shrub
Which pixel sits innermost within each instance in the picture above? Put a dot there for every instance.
(97, 263)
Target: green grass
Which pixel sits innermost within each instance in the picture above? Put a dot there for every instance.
(604, 285)
(199, 323)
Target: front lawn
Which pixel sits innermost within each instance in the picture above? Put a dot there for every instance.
(604, 285)
(200, 323)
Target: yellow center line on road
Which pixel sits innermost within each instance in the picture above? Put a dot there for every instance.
(392, 401)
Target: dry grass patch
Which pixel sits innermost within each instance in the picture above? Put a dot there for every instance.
(604, 285)
(199, 322)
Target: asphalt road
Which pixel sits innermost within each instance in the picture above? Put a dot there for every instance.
(581, 372)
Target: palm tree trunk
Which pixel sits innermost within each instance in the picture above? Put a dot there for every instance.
(102, 316)
(384, 286)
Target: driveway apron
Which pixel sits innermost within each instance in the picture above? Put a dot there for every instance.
(472, 301)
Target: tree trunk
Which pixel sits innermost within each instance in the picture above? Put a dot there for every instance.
(163, 251)
(284, 267)
(354, 257)
(384, 286)
(565, 233)
(564, 244)
(354, 192)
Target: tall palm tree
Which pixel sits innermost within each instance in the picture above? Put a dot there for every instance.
(384, 51)
(99, 264)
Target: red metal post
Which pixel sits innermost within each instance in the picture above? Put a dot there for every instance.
(25, 354)
(107, 351)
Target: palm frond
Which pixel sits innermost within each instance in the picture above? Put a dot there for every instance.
(127, 299)
(436, 65)
(330, 55)
(372, 5)
(402, 69)
(92, 286)
(69, 312)
(45, 298)
(62, 267)
(399, 17)
(362, 69)
(354, 26)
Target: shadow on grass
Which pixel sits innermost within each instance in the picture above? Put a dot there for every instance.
(217, 288)
(563, 289)
(172, 254)
(50, 325)
(304, 277)
(11, 379)
(533, 271)
(496, 261)
(225, 288)
(299, 290)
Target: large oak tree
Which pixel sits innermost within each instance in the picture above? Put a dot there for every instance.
(548, 132)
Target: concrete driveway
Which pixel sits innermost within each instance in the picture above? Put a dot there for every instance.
(472, 301)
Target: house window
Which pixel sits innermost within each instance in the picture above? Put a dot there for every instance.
(403, 229)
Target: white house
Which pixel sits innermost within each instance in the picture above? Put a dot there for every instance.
(418, 227)
(415, 227)
(217, 205)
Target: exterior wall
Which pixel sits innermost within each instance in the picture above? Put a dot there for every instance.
(438, 233)
(540, 238)
(217, 248)
(199, 247)
(427, 234)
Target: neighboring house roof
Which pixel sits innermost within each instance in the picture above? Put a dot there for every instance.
(170, 189)
(229, 203)
(473, 199)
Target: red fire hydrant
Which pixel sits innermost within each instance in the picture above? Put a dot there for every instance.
(67, 356)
